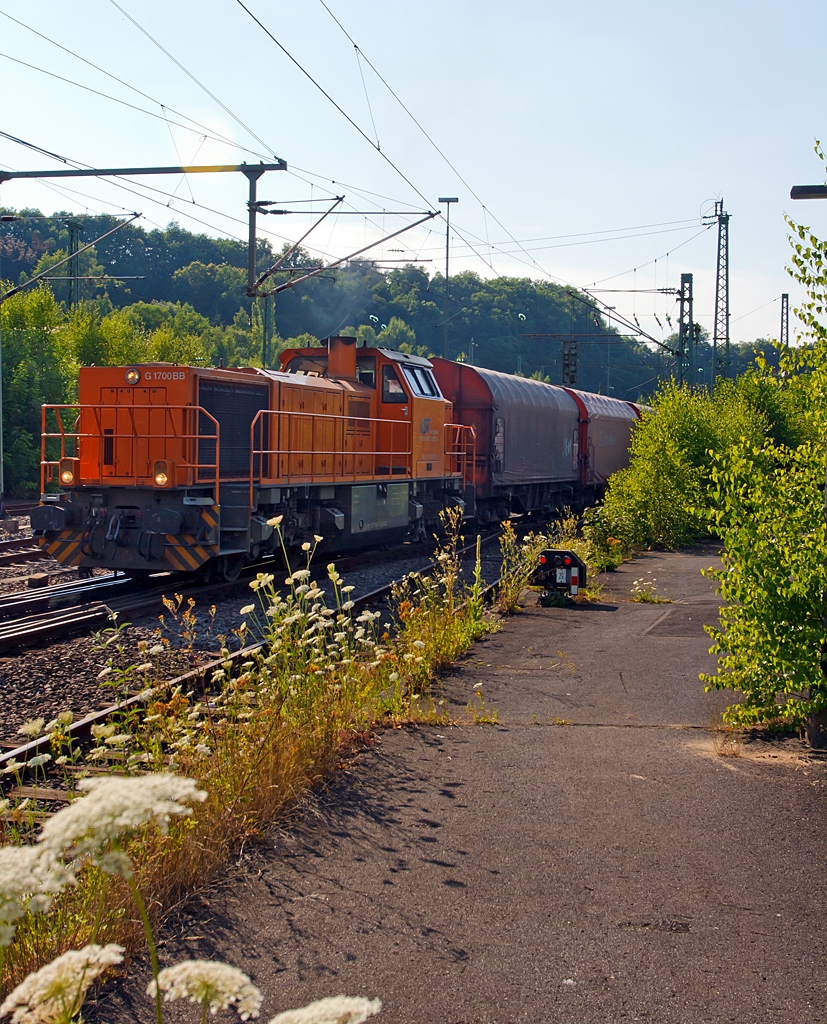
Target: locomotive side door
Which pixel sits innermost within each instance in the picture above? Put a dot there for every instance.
(428, 423)
(392, 437)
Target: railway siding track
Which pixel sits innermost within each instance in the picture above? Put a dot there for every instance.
(79, 733)
(20, 549)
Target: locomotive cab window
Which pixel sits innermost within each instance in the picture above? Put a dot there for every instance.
(392, 390)
(421, 381)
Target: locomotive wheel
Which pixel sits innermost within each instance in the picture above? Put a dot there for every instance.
(229, 567)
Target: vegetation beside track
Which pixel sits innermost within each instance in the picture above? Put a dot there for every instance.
(266, 729)
(746, 466)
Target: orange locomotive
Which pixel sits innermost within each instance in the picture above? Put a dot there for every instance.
(178, 467)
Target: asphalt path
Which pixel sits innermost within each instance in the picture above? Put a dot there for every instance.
(589, 857)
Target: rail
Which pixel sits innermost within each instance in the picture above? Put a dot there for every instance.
(127, 442)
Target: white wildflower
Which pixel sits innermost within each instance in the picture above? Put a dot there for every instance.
(63, 719)
(306, 546)
(113, 806)
(115, 862)
(314, 593)
(157, 649)
(333, 1010)
(276, 521)
(317, 538)
(393, 677)
(203, 750)
(301, 574)
(419, 644)
(210, 983)
(63, 759)
(120, 740)
(36, 762)
(31, 728)
(56, 992)
(26, 876)
(98, 754)
(13, 766)
(248, 609)
(103, 731)
(347, 606)
(146, 667)
(348, 588)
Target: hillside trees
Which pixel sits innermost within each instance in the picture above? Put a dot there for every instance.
(38, 366)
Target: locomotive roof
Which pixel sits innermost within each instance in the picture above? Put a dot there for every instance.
(404, 357)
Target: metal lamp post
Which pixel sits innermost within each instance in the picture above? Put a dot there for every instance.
(447, 200)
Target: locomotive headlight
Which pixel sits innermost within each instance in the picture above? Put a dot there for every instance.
(161, 473)
(133, 376)
(68, 471)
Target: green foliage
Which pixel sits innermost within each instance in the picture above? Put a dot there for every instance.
(768, 511)
(662, 498)
(38, 367)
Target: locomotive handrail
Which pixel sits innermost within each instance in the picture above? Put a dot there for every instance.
(342, 421)
(193, 413)
(461, 449)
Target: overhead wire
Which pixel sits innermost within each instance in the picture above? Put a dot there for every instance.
(533, 263)
(133, 88)
(327, 96)
(205, 132)
(197, 81)
(165, 107)
(674, 248)
(745, 315)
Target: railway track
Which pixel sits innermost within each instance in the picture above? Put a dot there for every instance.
(80, 731)
(22, 549)
(33, 617)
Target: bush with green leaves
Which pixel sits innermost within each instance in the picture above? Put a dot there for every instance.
(768, 512)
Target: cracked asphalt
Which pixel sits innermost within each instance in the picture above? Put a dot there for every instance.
(589, 858)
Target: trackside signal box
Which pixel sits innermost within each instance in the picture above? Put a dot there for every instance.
(559, 572)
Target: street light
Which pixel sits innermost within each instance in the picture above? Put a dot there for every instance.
(447, 200)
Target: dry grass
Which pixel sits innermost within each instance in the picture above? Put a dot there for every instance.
(269, 730)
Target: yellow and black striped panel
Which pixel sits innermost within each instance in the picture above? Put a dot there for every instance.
(209, 517)
(65, 547)
(185, 554)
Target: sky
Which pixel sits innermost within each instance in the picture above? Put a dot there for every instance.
(584, 142)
